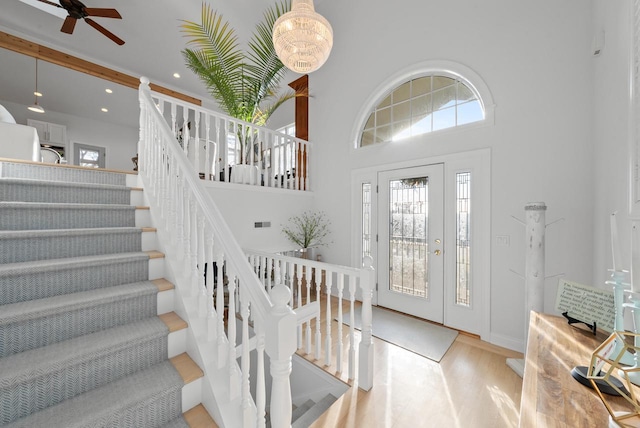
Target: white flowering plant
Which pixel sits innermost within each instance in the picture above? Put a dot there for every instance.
(308, 230)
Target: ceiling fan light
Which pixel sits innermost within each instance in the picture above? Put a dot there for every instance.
(302, 38)
(36, 108)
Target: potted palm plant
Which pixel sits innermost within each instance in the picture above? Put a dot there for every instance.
(245, 84)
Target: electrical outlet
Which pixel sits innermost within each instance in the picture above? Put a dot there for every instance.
(503, 240)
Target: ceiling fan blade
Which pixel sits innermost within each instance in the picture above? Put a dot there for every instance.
(68, 25)
(102, 13)
(104, 31)
(50, 3)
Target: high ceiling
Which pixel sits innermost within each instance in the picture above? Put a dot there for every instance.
(153, 42)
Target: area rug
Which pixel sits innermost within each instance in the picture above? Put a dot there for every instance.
(424, 338)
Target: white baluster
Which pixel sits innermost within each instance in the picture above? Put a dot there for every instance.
(327, 351)
(306, 274)
(298, 287)
(340, 341)
(203, 307)
(352, 332)
(194, 248)
(365, 364)
(211, 313)
(208, 172)
(246, 393)
(173, 118)
(220, 307)
(318, 333)
(261, 390)
(231, 335)
(197, 144)
(280, 346)
(186, 132)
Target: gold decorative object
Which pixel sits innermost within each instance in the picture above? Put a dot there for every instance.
(604, 365)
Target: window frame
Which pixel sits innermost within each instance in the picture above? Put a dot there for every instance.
(436, 67)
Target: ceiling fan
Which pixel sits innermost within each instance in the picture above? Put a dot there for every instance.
(77, 10)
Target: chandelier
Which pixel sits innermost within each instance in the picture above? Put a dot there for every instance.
(302, 38)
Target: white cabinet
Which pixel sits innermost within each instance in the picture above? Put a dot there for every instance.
(50, 133)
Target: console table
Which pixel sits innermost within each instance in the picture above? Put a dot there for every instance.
(550, 395)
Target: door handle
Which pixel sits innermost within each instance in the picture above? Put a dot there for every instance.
(437, 252)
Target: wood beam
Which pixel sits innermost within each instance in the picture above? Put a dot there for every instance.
(35, 50)
(301, 86)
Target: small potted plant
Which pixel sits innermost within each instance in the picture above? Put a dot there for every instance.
(308, 231)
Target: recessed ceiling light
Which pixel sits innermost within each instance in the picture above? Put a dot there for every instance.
(37, 94)
(176, 75)
(104, 109)
(108, 91)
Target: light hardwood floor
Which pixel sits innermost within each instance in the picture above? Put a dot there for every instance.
(471, 387)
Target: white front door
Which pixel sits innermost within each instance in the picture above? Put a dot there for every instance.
(411, 241)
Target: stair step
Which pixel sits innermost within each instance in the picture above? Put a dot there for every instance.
(198, 417)
(29, 245)
(314, 412)
(40, 215)
(66, 173)
(148, 398)
(36, 323)
(301, 410)
(29, 190)
(33, 380)
(64, 276)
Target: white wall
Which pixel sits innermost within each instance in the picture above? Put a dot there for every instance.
(243, 205)
(611, 134)
(119, 141)
(535, 59)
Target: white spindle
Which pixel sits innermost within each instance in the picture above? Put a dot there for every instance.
(194, 247)
(340, 341)
(203, 306)
(220, 308)
(261, 390)
(327, 351)
(231, 328)
(246, 393)
(318, 333)
(306, 275)
(211, 313)
(365, 363)
(352, 332)
(197, 143)
(297, 278)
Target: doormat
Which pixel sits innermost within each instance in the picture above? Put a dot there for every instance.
(421, 337)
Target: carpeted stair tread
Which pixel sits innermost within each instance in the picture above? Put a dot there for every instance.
(14, 269)
(61, 173)
(30, 190)
(35, 379)
(313, 413)
(148, 398)
(36, 323)
(49, 215)
(63, 276)
(28, 245)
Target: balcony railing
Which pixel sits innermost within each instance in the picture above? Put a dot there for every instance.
(225, 149)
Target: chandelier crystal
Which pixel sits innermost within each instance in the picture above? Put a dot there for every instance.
(302, 38)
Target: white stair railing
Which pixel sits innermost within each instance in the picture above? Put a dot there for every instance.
(214, 279)
(222, 148)
(309, 282)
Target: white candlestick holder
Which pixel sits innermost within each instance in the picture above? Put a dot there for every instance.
(619, 287)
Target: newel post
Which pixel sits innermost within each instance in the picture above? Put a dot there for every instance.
(280, 346)
(365, 365)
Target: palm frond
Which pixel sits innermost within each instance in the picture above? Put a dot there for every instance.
(217, 58)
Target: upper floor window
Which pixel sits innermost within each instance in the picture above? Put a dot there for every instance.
(423, 102)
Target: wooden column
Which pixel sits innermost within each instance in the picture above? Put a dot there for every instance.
(301, 86)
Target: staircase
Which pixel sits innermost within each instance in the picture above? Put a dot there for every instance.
(87, 332)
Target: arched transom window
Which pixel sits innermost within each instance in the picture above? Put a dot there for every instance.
(422, 105)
